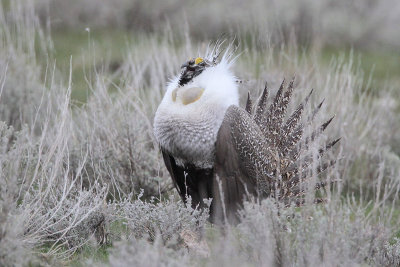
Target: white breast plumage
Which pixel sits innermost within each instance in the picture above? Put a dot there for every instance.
(187, 121)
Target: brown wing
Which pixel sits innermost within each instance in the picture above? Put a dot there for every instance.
(241, 157)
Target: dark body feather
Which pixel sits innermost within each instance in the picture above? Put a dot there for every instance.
(190, 181)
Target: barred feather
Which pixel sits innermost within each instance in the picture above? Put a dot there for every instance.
(261, 106)
(315, 111)
(294, 119)
(316, 133)
(286, 143)
(249, 104)
(268, 125)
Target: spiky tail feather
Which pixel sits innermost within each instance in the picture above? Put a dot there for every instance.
(287, 143)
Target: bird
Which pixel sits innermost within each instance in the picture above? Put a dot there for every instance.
(214, 149)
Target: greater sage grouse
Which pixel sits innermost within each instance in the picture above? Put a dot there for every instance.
(213, 148)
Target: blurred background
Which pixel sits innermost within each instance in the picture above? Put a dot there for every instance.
(367, 28)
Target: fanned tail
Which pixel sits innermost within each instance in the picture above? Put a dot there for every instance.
(293, 162)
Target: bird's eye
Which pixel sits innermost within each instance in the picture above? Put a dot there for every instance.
(191, 62)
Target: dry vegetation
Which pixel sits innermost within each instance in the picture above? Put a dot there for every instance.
(74, 178)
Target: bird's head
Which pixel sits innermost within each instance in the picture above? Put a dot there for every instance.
(193, 68)
(203, 83)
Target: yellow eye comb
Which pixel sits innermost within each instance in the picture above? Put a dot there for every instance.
(198, 60)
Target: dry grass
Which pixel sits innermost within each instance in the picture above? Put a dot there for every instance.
(69, 175)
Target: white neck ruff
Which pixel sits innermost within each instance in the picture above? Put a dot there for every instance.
(189, 132)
